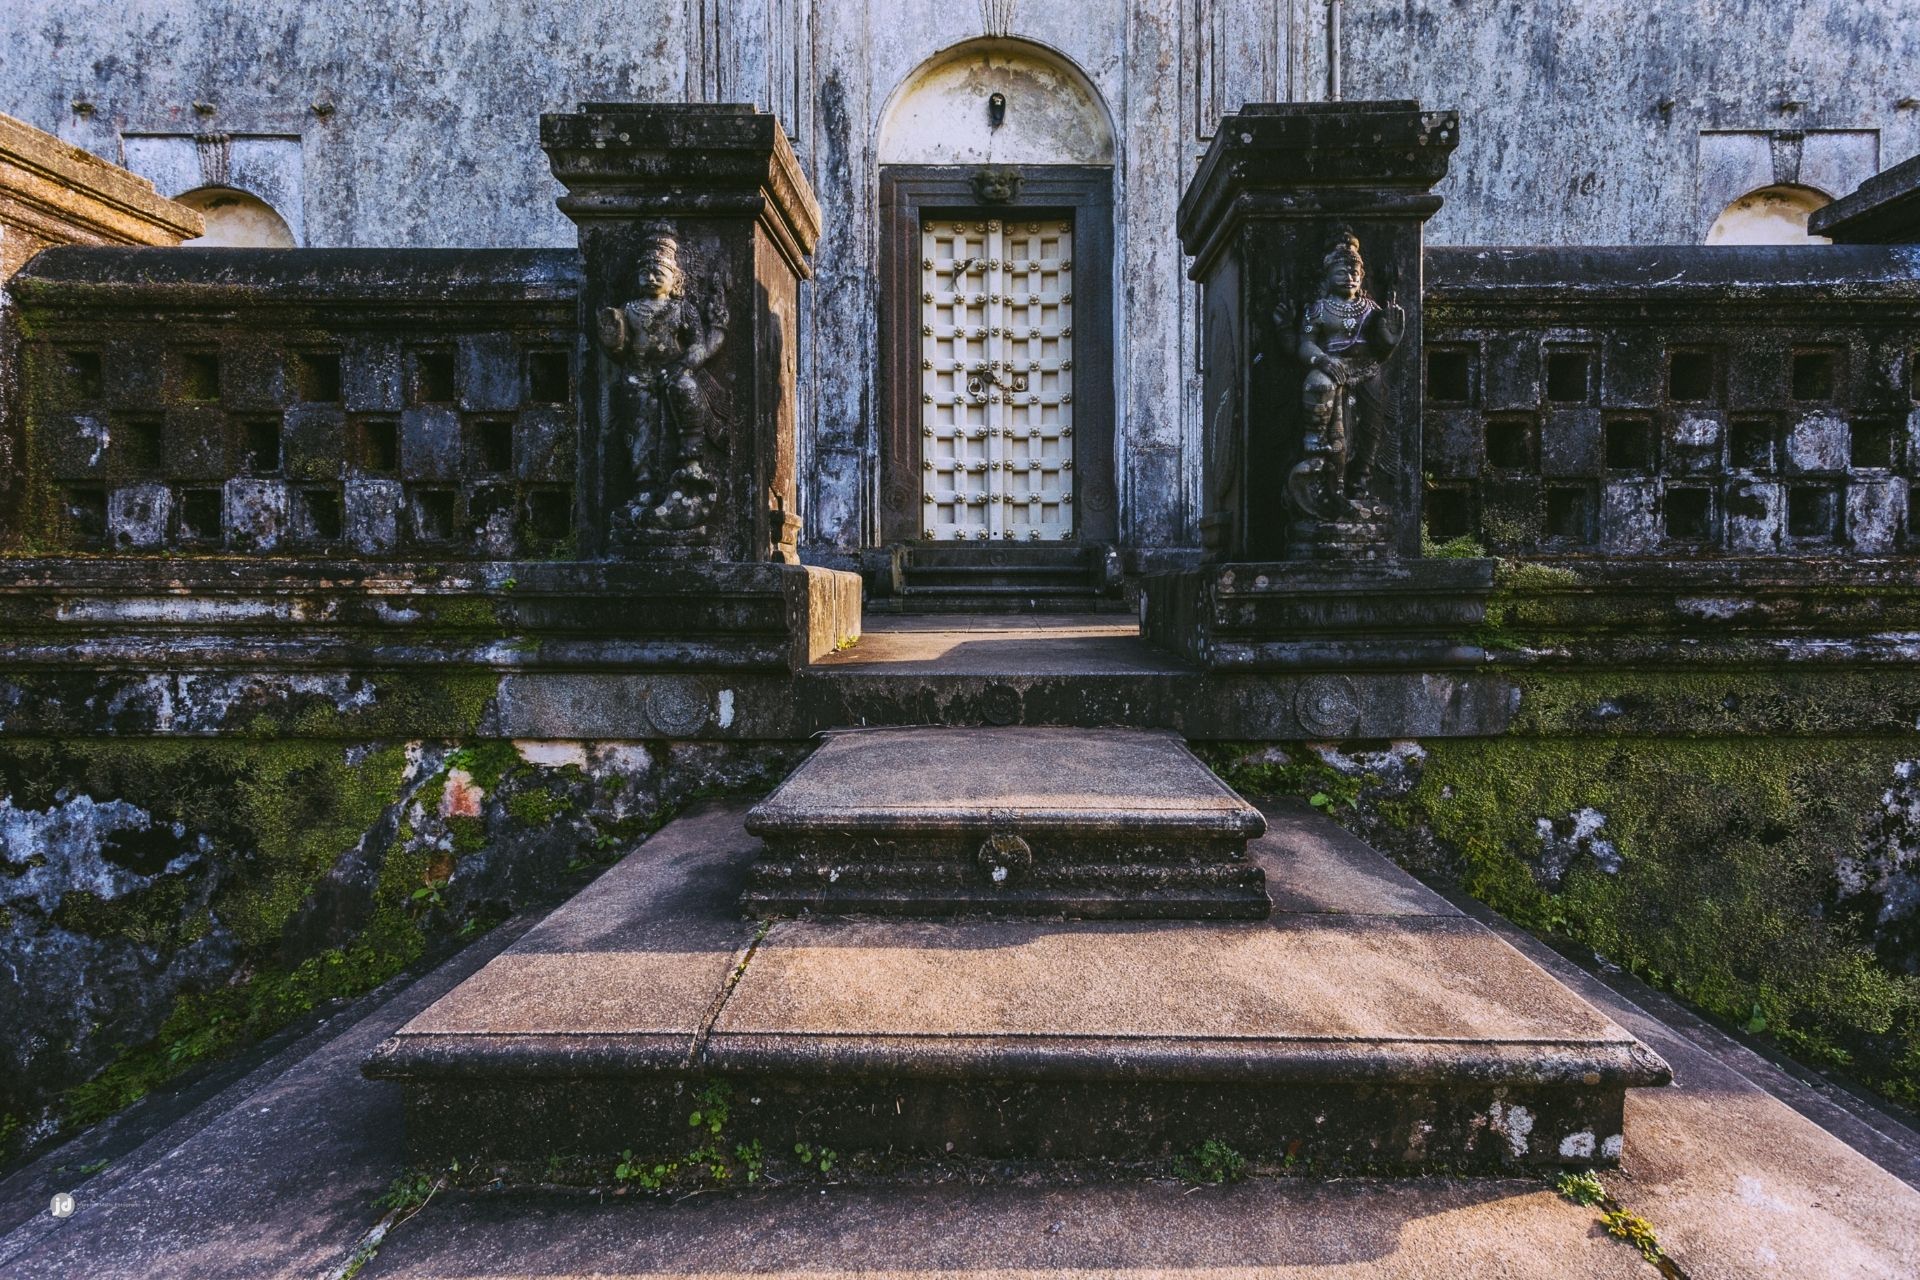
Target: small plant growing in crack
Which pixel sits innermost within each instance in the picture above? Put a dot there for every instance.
(1581, 1188)
(820, 1158)
(1211, 1163)
(1635, 1230)
(1587, 1190)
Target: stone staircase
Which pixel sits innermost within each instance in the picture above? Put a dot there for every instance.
(1051, 577)
(1343, 1015)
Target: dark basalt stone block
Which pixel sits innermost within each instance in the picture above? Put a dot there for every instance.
(1288, 615)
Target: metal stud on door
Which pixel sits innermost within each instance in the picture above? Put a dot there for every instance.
(997, 380)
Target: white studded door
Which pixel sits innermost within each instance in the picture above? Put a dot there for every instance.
(996, 367)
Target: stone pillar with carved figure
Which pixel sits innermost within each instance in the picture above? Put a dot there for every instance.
(696, 224)
(1305, 225)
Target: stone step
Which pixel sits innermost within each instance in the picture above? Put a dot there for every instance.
(1001, 555)
(1366, 1024)
(1001, 577)
(1103, 824)
(934, 600)
(974, 578)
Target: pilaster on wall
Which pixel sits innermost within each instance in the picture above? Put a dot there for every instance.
(750, 51)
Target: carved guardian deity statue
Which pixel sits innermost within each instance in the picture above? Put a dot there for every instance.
(675, 409)
(1345, 338)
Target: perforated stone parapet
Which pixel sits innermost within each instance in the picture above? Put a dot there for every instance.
(1699, 402)
(301, 402)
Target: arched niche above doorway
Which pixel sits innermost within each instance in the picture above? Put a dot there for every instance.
(237, 219)
(1771, 215)
(941, 113)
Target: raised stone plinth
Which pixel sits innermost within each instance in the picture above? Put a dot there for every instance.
(1111, 824)
(1368, 1023)
(1295, 616)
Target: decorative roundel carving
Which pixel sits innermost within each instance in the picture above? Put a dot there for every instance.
(1099, 497)
(1003, 859)
(675, 708)
(1327, 706)
(1000, 704)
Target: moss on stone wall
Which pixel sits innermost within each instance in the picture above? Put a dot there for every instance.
(184, 896)
(225, 841)
(1706, 866)
(1735, 872)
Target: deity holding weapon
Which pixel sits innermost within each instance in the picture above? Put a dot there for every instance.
(676, 410)
(1345, 338)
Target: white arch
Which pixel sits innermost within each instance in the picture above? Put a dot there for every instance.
(237, 219)
(939, 113)
(1775, 214)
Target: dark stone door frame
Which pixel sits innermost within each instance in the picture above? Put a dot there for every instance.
(908, 193)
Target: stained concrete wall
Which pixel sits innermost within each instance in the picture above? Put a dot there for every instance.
(1599, 121)
(1587, 121)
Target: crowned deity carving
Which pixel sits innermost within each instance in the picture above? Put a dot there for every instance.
(1345, 337)
(675, 409)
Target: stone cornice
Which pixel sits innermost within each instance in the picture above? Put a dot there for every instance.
(64, 194)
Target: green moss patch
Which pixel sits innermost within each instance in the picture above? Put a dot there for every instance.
(1724, 889)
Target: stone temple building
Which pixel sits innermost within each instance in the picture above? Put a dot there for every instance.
(1585, 123)
(790, 636)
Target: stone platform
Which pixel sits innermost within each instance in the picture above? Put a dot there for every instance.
(1113, 824)
(1365, 1024)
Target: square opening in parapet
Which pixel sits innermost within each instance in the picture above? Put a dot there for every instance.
(141, 446)
(379, 445)
(199, 515)
(316, 377)
(1570, 513)
(1689, 513)
(1450, 376)
(1512, 442)
(1569, 377)
(262, 446)
(198, 375)
(316, 515)
(549, 377)
(1750, 444)
(80, 371)
(86, 512)
(1870, 444)
(432, 514)
(1814, 376)
(1690, 376)
(549, 517)
(432, 377)
(1813, 512)
(490, 445)
(1630, 445)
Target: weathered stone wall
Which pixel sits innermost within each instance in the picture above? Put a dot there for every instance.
(1611, 122)
(1678, 401)
(53, 193)
(164, 899)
